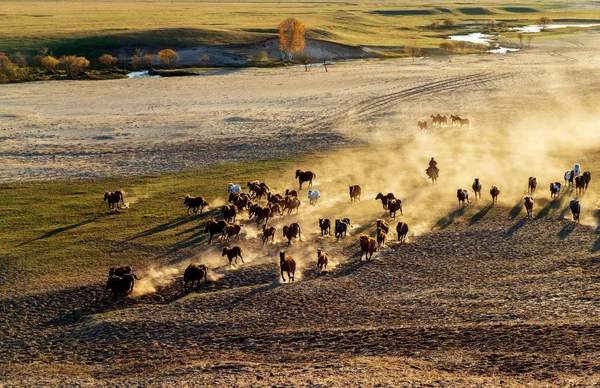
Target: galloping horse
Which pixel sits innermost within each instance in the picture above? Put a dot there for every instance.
(432, 173)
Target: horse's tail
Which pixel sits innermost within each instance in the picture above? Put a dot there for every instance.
(135, 276)
(205, 272)
(122, 195)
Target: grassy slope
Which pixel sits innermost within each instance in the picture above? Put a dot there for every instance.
(90, 28)
(51, 229)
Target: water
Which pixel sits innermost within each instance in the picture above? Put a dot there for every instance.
(534, 28)
(479, 38)
(141, 74)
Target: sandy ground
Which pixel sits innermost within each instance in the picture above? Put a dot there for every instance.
(478, 296)
(61, 130)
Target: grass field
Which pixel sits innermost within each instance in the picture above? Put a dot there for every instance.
(92, 28)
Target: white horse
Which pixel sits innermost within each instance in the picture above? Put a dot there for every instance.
(567, 177)
(577, 170)
(313, 196)
(233, 188)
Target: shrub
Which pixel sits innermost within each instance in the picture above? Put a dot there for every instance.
(107, 61)
(19, 59)
(434, 25)
(448, 46)
(74, 66)
(9, 72)
(449, 23)
(168, 57)
(205, 58)
(543, 22)
(49, 64)
(260, 56)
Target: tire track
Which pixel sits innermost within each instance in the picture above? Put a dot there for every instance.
(381, 103)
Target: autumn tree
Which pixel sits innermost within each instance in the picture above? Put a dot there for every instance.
(10, 72)
(107, 61)
(291, 38)
(448, 46)
(449, 23)
(168, 57)
(49, 64)
(543, 22)
(412, 50)
(74, 66)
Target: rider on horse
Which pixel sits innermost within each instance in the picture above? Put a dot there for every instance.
(432, 168)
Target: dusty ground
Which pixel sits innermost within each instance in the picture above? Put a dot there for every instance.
(478, 296)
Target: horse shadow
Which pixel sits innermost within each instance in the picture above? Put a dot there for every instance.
(348, 268)
(64, 229)
(566, 231)
(445, 222)
(480, 214)
(516, 227)
(516, 210)
(164, 227)
(552, 205)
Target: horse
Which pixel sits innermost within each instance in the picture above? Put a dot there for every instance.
(476, 186)
(531, 185)
(263, 214)
(233, 253)
(402, 230)
(435, 120)
(422, 125)
(325, 226)
(462, 195)
(579, 185)
(305, 176)
(443, 120)
(385, 199)
(292, 203)
(393, 206)
(341, 227)
(231, 230)
(292, 231)
(291, 193)
(114, 199)
(313, 196)
(575, 209)
(368, 245)
(454, 119)
(528, 200)
(577, 169)
(464, 122)
(229, 213)
(268, 232)
(355, 192)
(287, 264)
(194, 203)
(381, 236)
(555, 189)
(569, 177)
(587, 177)
(381, 224)
(194, 273)
(433, 173)
(120, 285)
(119, 271)
(214, 227)
(322, 260)
(494, 192)
(234, 188)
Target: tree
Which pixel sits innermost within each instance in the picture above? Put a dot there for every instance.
(74, 66)
(543, 22)
(148, 60)
(168, 57)
(449, 23)
(520, 36)
(10, 72)
(107, 61)
(291, 38)
(448, 46)
(49, 64)
(412, 50)
(137, 59)
(19, 59)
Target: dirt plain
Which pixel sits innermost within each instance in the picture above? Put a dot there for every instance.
(478, 296)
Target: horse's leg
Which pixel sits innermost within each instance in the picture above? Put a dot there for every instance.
(282, 275)
(241, 258)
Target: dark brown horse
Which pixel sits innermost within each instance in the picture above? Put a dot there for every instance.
(287, 264)
(114, 198)
(355, 192)
(305, 176)
(194, 273)
(322, 260)
(402, 230)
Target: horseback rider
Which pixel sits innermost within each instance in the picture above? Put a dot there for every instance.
(432, 163)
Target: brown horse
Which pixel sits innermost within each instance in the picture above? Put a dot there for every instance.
(322, 260)
(462, 195)
(325, 226)
(385, 199)
(214, 227)
(233, 253)
(368, 246)
(194, 203)
(422, 125)
(355, 192)
(194, 273)
(268, 231)
(114, 199)
(528, 200)
(393, 206)
(476, 186)
(305, 176)
(402, 230)
(287, 264)
(494, 192)
(381, 236)
(433, 173)
(292, 231)
(531, 185)
(231, 230)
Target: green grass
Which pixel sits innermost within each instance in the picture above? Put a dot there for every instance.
(92, 28)
(54, 228)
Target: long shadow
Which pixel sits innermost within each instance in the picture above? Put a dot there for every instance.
(516, 210)
(64, 229)
(552, 205)
(445, 222)
(351, 266)
(480, 214)
(566, 231)
(164, 227)
(596, 246)
(516, 227)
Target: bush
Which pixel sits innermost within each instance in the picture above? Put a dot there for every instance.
(10, 72)
(448, 46)
(543, 22)
(260, 56)
(49, 64)
(434, 26)
(205, 58)
(107, 61)
(74, 66)
(449, 23)
(19, 59)
(461, 44)
(168, 57)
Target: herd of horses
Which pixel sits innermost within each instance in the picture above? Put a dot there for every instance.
(443, 121)
(121, 280)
